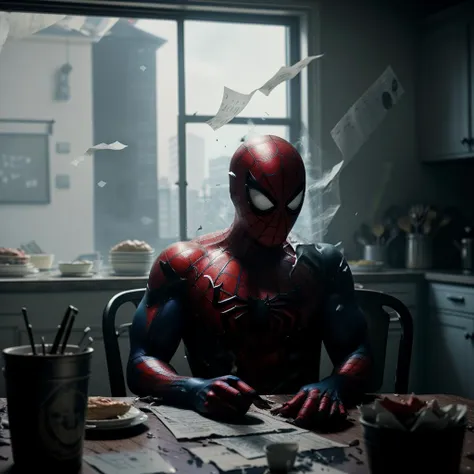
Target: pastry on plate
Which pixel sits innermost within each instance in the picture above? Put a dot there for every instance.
(131, 246)
(104, 408)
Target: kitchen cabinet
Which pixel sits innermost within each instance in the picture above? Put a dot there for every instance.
(445, 87)
(450, 361)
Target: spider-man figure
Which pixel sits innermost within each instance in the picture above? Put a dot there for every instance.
(252, 309)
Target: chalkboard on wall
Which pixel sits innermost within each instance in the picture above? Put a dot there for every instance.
(24, 169)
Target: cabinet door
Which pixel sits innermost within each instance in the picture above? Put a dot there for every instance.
(450, 356)
(443, 91)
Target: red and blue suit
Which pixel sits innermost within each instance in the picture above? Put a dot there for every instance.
(251, 308)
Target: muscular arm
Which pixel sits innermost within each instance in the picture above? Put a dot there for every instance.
(154, 337)
(156, 332)
(345, 338)
(345, 330)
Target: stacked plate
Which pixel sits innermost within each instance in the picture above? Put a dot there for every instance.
(15, 267)
(131, 263)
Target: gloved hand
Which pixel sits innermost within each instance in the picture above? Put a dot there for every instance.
(225, 396)
(317, 403)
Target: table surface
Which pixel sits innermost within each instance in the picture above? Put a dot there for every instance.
(155, 437)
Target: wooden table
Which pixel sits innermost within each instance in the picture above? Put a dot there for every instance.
(156, 437)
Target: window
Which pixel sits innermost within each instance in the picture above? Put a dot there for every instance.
(150, 84)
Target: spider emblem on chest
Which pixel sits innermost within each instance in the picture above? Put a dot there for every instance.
(278, 313)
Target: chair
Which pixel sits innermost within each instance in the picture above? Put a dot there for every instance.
(373, 304)
(111, 336)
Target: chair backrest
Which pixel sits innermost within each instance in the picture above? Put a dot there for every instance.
(375, 305)
(379, 309)
(111, 334)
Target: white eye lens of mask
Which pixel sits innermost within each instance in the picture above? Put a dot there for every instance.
(296, 202)
(259, 200)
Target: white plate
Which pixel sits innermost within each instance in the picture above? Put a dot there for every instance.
(133, 417)
(17, 270)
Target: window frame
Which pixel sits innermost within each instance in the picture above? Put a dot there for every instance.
(285, 14)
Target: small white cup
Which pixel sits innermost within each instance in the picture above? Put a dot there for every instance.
(281, 456)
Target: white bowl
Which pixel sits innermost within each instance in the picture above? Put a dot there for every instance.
(131, 268)
(75, 268)
(42, 261)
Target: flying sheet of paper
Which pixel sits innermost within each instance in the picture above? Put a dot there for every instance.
(253, 447)
(115, 146)
(353, 130)
(27, 24)
(234, 102)
(134, 462)
(286, 73)
(4, 28)
(187, 424)
(226, 461)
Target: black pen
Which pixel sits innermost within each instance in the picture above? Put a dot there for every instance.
(29, 330)
(62, 328)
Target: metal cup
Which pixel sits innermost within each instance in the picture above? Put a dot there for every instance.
(47, 404)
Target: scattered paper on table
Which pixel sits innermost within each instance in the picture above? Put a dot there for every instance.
(234, 102)
(353, 130)
(4, 28)
(115, 146)
(187, 424)
(27, 24)
(134, 462)
(226, 461)
(252, 447)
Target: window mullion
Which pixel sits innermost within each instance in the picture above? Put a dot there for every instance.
(182, 184)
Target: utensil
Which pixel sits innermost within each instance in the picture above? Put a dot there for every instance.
(43, 346)
(84, 335)
(359, 239)
(378, 230)
(427, 227)
(62, 328)
(29, 330)
(404, 223)
(90, 340)
(70, 324)
(366, 234)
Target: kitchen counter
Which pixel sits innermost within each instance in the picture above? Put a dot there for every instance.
(53, 281)
(456, 278)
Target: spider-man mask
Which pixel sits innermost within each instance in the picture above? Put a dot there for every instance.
(267, 185)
